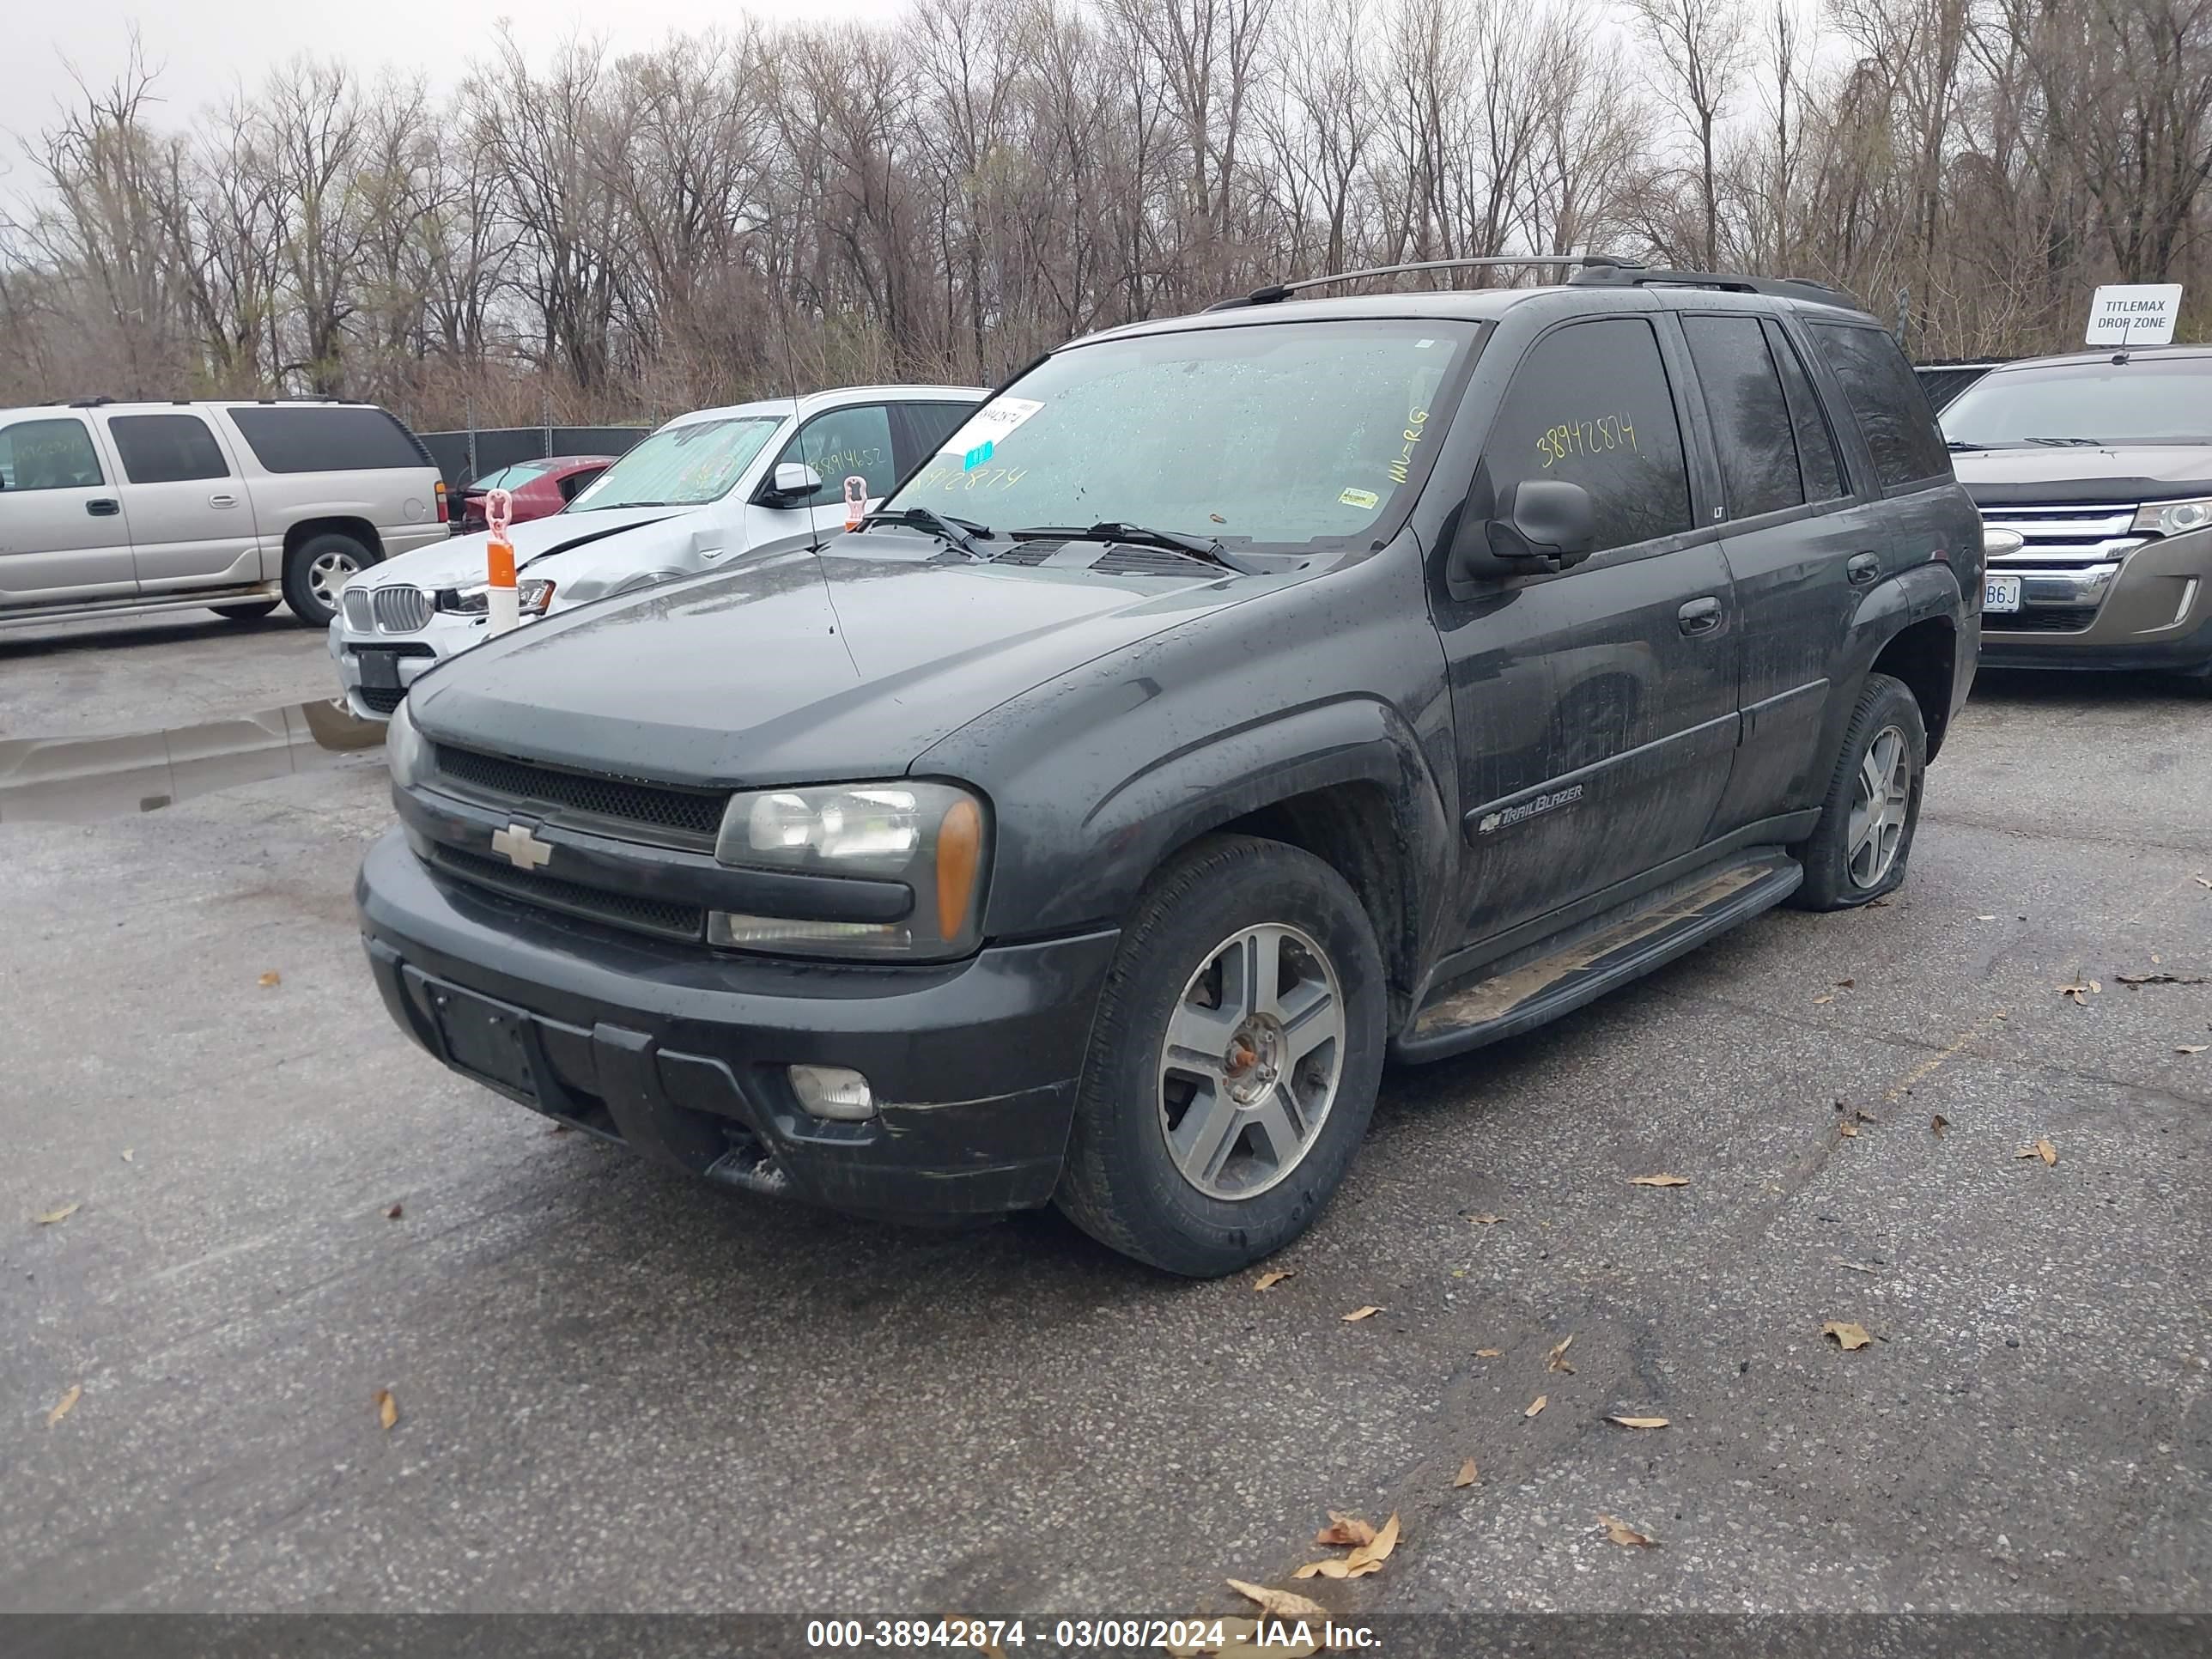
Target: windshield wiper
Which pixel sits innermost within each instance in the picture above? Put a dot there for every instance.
(1198, 547)
(2068, 443)
(1956, 444)
(957, 533)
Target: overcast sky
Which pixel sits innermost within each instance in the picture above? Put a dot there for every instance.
(207, 47)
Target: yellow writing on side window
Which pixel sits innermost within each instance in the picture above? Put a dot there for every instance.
(1600, 436)
(1416, 419)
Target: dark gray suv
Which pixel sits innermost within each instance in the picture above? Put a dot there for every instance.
(1237, 701)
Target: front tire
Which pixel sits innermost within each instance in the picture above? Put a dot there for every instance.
(247, 610)
(1858, 849)
(315, 570)
(1234, 1061)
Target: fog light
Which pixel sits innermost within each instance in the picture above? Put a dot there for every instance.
(832, 1091)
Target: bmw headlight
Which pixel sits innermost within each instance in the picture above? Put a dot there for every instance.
(933, 838)
(531, 595)
(405, 750)
(2175, 518)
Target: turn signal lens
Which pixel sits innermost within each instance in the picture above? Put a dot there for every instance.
(959, 855)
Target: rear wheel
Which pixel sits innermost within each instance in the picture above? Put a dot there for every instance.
(317, 568)
(1857, 850)
(251, 610)
(1234, 1062)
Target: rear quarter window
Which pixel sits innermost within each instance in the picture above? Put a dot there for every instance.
(1886, 401)
(324, 439)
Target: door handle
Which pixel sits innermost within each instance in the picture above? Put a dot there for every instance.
(1861, 568)
(1700, 616)
(222, 500)
(103, 507)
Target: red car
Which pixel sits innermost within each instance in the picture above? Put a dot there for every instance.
(541, 489)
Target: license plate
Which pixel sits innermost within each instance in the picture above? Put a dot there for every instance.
(380, 670)
(484, 1039)
(2000, 593)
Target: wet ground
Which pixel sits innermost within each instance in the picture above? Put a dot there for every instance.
(618, 1389)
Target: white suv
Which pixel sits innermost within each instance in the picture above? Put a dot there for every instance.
(759, 478)
(234, 506)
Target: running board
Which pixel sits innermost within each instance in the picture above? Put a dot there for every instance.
(1610, 951)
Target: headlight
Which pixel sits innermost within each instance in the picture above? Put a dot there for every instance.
(531, 595)
(932, 838)
(2174, 517)
(404, 749)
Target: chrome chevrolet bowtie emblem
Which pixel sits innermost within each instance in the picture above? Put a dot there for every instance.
(519, 847)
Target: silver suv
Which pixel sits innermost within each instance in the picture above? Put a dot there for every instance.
(234, 506)
(704, 490)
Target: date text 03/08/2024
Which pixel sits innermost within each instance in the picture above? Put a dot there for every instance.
(1270, 1634)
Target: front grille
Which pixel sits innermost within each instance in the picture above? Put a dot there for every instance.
(400, 608)
(2063, 537)
(694, 814)
(382, 700)
(358, 615)
(2043, 619)
(643, 915)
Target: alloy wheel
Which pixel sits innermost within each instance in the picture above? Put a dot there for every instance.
(1881, 796)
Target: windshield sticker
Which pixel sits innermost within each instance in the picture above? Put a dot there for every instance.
(975, 457)
(1359, 498)
(1597, 437)
(988, 426)
(1415, 420)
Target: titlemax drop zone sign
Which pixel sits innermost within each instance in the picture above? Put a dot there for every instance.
(2134, 314)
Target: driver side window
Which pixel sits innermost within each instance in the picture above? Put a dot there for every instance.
(843, 443)
(1591, 405)
(48, 454)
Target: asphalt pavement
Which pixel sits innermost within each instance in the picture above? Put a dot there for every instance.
(616, 1389)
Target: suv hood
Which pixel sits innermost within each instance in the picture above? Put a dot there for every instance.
(797, 668)
(2126, 473)
(459, 561)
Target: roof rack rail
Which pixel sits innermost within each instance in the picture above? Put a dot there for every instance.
(1276, 292)
(1618, 274)
(92, 403)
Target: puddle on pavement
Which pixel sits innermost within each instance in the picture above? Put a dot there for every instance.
(70, 779)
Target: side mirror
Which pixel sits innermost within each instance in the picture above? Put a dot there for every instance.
(792, 480)
(1545, 525)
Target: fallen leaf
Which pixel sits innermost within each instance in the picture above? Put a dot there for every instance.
(1537, 1404)
(1371, 1556)
(1639, 1422)
(1659, 1181)
(66, 1404)
(387, 1408)
(1621, 1533)
(2202, 881)
(1845, 984)
(1848, 1337)
(1466, 1475)
(1850, 1132)
(1485, 1220)
(1829, 998)
(1937, 1124)
(1344, 1532)
(392, 1214)
(1556, 1359)
(272, 977)
(1332, 1568)
(62, 1214)
(1361, 1313)
(1488, 1353)
(2159, 979)
(126, 1154)
(2081, 991)
(1985, 918)
(2192, 1047)
(1275, 1276)
(1284, 1604)
(1856, 1267)
(2042, 1149)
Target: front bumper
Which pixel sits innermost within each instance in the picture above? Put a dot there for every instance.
(376, 668)
(2151, 611)
(680, 1054)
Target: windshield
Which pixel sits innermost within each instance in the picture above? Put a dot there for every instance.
(1286, 434)
(686, 465)
(2151, 400)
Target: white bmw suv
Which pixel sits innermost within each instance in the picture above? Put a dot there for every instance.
(704, 490)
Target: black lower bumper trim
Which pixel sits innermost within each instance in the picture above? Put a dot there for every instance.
(2190, 654)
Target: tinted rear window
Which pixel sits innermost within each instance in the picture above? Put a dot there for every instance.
(312, 439)
(165, 448)
(1886, 399)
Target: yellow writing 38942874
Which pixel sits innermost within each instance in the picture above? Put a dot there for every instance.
(1593, 437)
